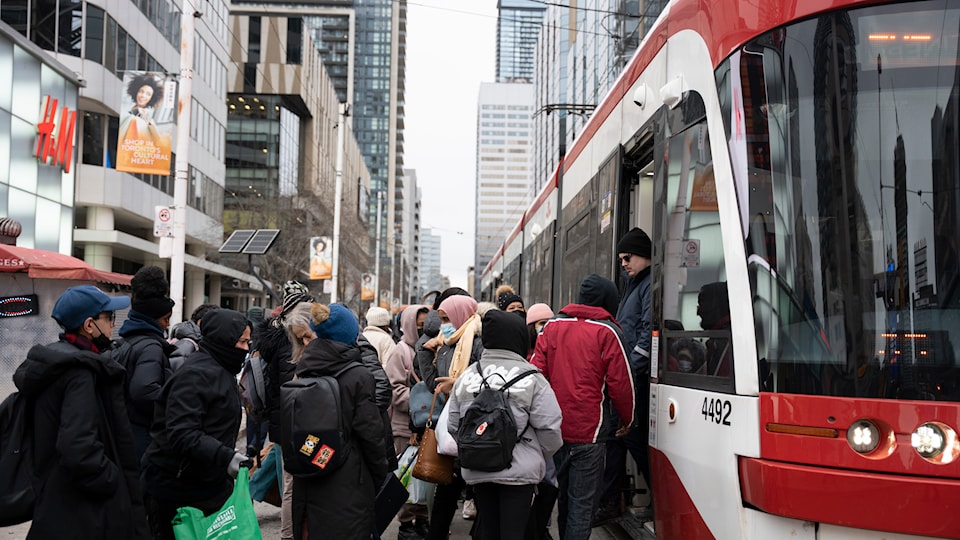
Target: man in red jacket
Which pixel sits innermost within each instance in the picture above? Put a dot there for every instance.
(581, 354)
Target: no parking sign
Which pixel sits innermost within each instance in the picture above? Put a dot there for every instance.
(163, 221)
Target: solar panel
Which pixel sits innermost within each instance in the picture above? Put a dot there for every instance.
(237, 240)
(261, 241)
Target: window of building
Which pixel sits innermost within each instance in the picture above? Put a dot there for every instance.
(94, 34)
(294, 40)
(253, 41)
(93, 139)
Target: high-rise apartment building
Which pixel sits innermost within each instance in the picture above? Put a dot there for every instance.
(410, 292)
(503, 164)
(430, 277)
(518, 25)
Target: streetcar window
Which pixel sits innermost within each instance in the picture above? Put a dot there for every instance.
(696, 347)
(842, 136)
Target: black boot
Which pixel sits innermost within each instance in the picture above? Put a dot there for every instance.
(407, 531)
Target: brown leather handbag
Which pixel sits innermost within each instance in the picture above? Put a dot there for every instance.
(431, 466)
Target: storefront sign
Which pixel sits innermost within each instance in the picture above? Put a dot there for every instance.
(12, 264)
(55, 139)
(19, 306)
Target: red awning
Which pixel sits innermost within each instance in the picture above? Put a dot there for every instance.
(42, 264)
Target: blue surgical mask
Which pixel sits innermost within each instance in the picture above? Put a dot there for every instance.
(447, 329)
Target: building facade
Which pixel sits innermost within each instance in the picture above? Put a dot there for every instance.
(411, 291)
(518, 25)
(282, 145)
(430, 277)
(503, 165)
(114, 211)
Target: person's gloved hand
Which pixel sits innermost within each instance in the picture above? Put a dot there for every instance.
(235, 463)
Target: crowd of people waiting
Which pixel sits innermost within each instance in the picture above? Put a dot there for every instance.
(141, 427)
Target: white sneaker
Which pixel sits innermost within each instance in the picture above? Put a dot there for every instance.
(469, 509)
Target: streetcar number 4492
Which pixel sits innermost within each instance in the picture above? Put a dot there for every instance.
(717, 410)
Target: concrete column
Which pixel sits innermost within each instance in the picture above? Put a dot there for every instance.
(100, 256)
(193, 291)
(214, 297)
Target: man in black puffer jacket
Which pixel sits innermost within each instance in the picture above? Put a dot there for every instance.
(84, 461)
(147, 358)
(192, 460)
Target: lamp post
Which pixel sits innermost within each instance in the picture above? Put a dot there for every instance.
(182, 169)
(338, 194)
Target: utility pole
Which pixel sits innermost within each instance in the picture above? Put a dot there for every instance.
(376, 255)
(338, 194)
(182, 169)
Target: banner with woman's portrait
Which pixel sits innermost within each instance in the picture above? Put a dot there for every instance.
(367, 293)
(321, 265)
(147, 123)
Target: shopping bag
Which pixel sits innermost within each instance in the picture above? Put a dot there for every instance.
(419, 490)
(235, 520)
(266, 481)
(446, 443)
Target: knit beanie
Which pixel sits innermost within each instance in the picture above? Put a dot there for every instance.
(506, 299)
(539, 312)
(636, 242)
(377, 316)
(150, 289)
(294, 292)
(502, 330)
(334, 322)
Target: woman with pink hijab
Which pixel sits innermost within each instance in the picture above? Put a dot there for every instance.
(457, 346)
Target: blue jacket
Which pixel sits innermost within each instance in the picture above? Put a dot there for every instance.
(633, 314)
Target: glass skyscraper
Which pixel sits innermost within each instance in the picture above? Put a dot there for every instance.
(518, 26)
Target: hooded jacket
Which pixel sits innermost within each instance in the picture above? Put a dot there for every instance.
(425, 357)
(186, 339)
(275, 349)
(148, 366)
(534, 408)
(198, 418)
(381, 340)
(341, 504)
(581, 354)
(383, 394)
(400, 370)
(86, 472)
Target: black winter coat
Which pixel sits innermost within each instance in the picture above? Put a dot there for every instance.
(275, 349)
(341, 504)
(84, 458)
(148, 366)
(194, 436)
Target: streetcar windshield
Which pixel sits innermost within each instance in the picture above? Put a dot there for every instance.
(843, 134)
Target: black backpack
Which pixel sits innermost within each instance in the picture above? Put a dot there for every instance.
(312, 434)
(16, 461)
(488, 430)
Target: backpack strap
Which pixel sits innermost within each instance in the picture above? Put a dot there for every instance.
(349, 366)
(257, 369)
(514, 380)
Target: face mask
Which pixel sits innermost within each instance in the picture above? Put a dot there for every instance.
(101, 342)
(447, 329)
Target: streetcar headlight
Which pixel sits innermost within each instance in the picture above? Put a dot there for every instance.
(863, 436)
(928, 440)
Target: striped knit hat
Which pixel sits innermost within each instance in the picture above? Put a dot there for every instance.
(294, 292)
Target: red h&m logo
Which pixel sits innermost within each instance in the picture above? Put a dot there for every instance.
(56, 144)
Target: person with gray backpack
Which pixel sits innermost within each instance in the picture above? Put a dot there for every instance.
(506, 420)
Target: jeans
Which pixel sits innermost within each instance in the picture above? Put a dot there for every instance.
(635, 441)
(579, 472)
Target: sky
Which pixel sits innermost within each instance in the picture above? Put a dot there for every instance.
(451, 49)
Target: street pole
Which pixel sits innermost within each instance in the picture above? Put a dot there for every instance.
(376, 255)
(338, 194)
(182, 169)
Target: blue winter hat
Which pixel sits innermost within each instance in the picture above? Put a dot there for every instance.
(77, 303)
(334, 322)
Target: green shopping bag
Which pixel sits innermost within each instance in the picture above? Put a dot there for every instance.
(236, 520)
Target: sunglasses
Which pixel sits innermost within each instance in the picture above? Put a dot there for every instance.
(625, 258)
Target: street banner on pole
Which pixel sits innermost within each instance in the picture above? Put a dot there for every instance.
(320, 257)
(367, 293)
(147, 123)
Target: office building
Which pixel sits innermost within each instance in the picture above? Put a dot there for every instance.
(518, 25)
(503, 164)
(410, 292)
(430, 277)
(113, 211)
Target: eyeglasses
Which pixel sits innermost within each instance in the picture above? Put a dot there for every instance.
(111, 316)
(625, 258)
